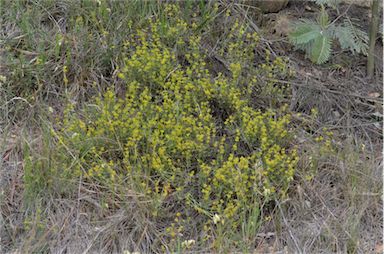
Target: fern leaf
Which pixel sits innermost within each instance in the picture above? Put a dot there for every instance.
(351, 37)
(345, 37)
(321, 49)
(304, 32)
(307, 47)
(323, 18)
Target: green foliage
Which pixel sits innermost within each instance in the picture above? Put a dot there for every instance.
(183, 137)
(316, 38)
(305, 32)
(173, 138)
(352, 37)
(321, 49)
(53, 45)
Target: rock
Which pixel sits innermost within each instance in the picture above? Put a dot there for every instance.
(282, 25)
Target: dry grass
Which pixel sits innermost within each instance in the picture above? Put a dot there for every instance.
(336, 211)
(334, 205)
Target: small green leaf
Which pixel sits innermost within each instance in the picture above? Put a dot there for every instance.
(321, 49)
(351, 37)
(345, 38)
(323, 18)
(304, 33)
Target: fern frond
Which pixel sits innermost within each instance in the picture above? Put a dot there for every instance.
(332, 31)
(351, 37)
(345, 37)
(321, 49)
(304, 32)
(323, 18)
(307, 47)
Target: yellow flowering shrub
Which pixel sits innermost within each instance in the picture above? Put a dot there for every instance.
(180, 132)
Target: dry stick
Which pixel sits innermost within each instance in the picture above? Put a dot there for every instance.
(372, 38)
(321, 89)
(14, 99)
(289, 229)
(78, 207)
(50, 16)
(324, 221)
(338, 17)
(257, 30)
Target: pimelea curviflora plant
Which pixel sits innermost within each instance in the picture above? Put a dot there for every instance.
(184, 138)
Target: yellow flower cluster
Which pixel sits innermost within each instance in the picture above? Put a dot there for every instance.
(178, 130)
